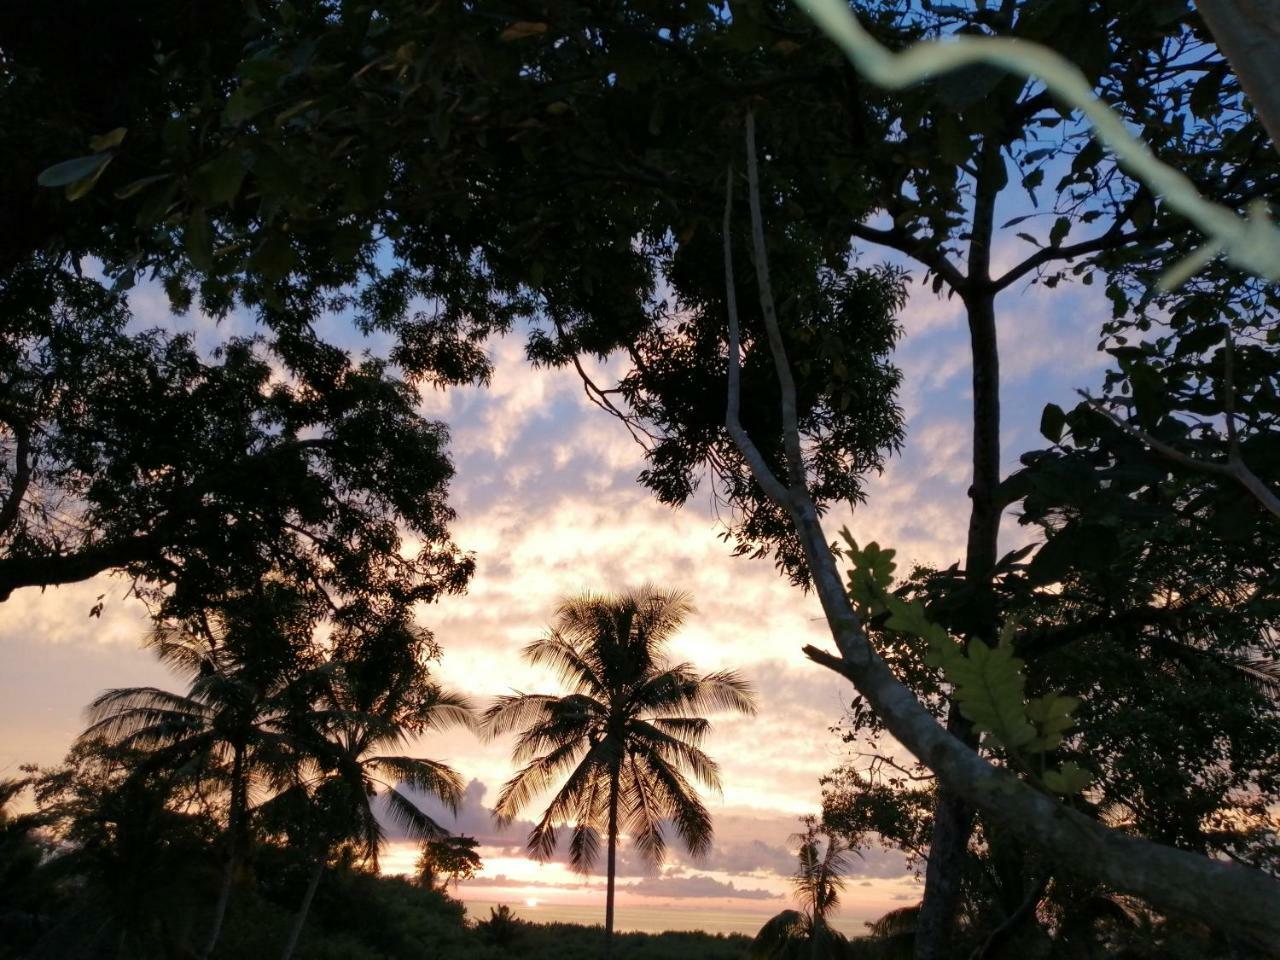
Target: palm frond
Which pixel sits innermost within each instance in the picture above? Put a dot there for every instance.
(577, 799)
(533, 778)
(642, 818)
(409, 817)
(1262, 672)
(677, 752)
(514, 711)
(448, 708)
(127, 698)
(782, 937)
(571, 664)
(438, 779)
(678, 692)
(692, 730)
(896, 922)
(679, 803)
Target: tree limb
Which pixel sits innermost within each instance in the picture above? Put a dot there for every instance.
(21, 478)
(1248, 32)
(1251, 243)
(1176, 881)
(1234, 467)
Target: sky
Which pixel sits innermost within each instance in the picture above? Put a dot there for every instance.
(547, 499)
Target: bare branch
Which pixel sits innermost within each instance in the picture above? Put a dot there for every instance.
(790, 421)
(755, 460)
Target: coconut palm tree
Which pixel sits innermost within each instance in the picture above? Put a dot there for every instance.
(237, 718)
(621, 746)
(818, 880)
(366, 711)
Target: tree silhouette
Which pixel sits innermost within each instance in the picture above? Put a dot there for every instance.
(236, 721)
(369, 703)
(818, 880)
(621, 742)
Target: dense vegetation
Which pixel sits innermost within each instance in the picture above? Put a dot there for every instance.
(1095, 717)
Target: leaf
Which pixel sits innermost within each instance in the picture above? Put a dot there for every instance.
(129, 189)
(1052, 422)
(241, 105)
(1076, 546)
(909, 617)
(265, 71)
(953, 142)
(1058, 232)
(1069, 779)
(1029, 238)
(989, 691)
(71, 171)
(274, 257)
(1053, 715)
(218, 181)
(521, 29)
(108, 140)
(558, 107)
(197, 240)
(81, 187)
(284, 116)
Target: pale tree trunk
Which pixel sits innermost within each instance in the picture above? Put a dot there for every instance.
(235, 826)
(1223, 895)
(611, 865)
(299, 921)
(1248, 33)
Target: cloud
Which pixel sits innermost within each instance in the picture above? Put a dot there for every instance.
(698, 886)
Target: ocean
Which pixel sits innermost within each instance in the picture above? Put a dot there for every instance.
(642, 919)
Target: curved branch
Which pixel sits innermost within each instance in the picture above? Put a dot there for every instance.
(1177, 881)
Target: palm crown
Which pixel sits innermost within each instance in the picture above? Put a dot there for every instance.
(626, 738)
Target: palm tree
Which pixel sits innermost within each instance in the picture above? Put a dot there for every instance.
(236, 718)
(622, 741)
(818, 880)
(365, 712)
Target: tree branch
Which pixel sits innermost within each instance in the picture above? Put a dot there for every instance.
(21, 478)
(1221, 894)
(1248, 32)
(1235, 467)
(1251, 243)
(787, 383)
(921, 250)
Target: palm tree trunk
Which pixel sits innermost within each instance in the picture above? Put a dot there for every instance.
(304, 909)
(235, 817)
(612, 865)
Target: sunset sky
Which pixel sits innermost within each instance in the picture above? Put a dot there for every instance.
(546, 497)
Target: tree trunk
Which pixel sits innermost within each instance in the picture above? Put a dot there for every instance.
(300, 920)
(952, 817)
(944, 871)
(611, 865)
(235, 825)
(1220, 894)
(1248, 33)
